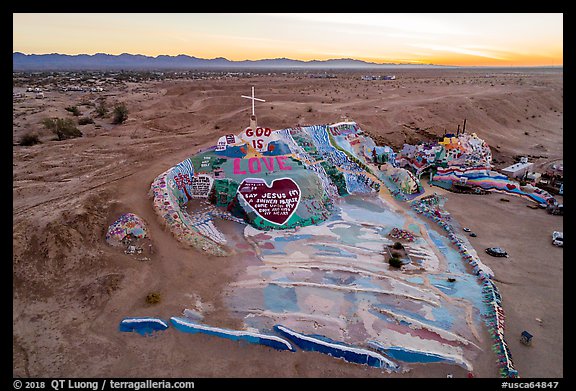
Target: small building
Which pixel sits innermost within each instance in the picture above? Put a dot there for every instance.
(533, 176)
(517, 170)
(526, 337)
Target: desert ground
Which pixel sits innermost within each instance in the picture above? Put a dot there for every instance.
(71, 289)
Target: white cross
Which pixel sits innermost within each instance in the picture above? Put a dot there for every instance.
(253, 99)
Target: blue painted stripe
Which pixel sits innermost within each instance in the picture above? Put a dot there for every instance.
(142, 326)
(333, 348)
(187, 326)
(415, 356)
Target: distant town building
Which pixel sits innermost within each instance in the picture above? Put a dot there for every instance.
(322, 75)
(375, 77)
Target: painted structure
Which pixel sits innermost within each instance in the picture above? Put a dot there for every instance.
(465, 159)
(327, 346)
(143, 325)
(127, 224)
(188, 326)
(273, 180)
(309, 198)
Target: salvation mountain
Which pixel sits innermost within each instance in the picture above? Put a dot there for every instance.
(125, 61)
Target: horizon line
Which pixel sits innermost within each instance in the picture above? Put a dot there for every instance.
(297, 60)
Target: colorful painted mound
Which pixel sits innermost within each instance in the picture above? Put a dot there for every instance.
(127, 225)
(463, 160)
(321, 226)
(487, 180)
(279, 179)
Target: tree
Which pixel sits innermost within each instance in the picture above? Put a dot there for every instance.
(74, 110)
(63, 128)
(29, 139)
(85, 121)
(395, 262)
(153, 298)
(120, 114)
(101, 109)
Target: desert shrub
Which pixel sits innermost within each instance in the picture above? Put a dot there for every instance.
(120, 114)
(153, 298)
(395, 262)
(397, 246)
(85, 121)
(73, 109)
(101, 109)
(29, 139)
(63, 128)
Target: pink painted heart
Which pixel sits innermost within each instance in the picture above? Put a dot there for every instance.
(510, 186)
(275, 203)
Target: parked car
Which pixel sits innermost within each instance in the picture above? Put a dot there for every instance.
(496, 252)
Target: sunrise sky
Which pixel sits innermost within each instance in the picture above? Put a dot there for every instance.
(471, 39)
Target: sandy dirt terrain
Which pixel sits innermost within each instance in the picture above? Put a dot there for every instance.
(71, 289)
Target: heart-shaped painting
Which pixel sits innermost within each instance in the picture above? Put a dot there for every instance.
(510, 186)
(275, 203)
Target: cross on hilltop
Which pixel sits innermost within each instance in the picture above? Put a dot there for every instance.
(253, 116)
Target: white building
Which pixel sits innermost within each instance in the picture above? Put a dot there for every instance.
(518, 170)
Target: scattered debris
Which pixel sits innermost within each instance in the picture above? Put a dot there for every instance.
(131, 249)
(558, 238)
(398, 233)
(539, 321)
(555, 208)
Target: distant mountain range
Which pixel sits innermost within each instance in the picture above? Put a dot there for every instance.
(125, 61)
